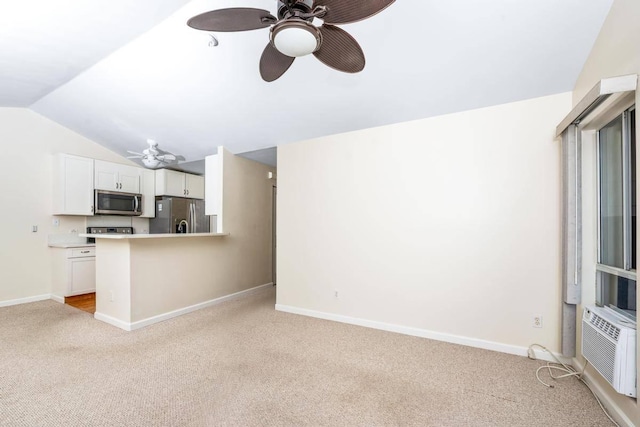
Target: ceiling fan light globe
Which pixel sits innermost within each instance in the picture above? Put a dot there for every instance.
(296, 38)
(151, 163)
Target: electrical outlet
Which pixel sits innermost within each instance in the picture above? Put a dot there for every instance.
(55, 222)
(537, 321)
(34, 228)
(335, 294)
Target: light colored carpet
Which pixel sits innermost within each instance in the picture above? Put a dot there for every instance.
(242, 363)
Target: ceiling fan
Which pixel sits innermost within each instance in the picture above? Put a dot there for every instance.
(153, 157)
(293, 33)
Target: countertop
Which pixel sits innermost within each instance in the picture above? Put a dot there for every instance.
(71, 245)
(153, 236)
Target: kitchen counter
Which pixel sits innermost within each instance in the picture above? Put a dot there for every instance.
(152, 236)
(72, 245)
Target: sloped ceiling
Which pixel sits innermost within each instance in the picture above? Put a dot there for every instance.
(424, 58)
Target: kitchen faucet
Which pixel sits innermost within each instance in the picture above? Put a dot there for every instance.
(186, 225)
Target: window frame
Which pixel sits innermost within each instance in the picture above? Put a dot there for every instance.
(627, 271)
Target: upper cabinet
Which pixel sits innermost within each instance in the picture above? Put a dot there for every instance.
(72, 185)
(116, 177)
(179, 184)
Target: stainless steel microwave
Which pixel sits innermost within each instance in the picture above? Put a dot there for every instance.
(115, 203)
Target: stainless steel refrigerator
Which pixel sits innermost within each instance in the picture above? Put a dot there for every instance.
(178, 215)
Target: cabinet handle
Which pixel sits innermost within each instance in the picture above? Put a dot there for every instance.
(84, 252)
(187, 192)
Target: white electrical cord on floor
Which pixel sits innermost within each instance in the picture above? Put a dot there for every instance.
(568, 370)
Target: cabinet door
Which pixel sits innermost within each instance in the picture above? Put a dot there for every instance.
(195, 186)
(172, 183)
(82, 275)
(129, 179)
(106, 176)
(73, 188)
(148, 193)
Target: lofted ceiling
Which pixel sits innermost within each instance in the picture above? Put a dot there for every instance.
(121, 71)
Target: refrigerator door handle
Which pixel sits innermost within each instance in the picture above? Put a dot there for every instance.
(192, 215)
(195, 217)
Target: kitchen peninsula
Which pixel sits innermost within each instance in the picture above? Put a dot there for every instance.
(143, 279)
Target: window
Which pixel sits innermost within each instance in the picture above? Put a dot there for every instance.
(616, 267)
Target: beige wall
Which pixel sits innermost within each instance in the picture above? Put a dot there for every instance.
(449, 224)
(247, 217)
(616, 52)
(27, 141)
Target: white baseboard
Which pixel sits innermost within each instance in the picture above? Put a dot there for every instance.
(423, 333)
(175, 313)
(57, 298)
(112, 321)
(25, 300)
(605, 396)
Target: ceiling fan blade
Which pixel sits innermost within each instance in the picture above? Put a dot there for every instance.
(166, 157)
(135, 152)
(273, 64)
(135, 157)
(339, 50)
(232, 19)
(347, 11)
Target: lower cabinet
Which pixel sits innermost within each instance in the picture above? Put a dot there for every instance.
(74, 271)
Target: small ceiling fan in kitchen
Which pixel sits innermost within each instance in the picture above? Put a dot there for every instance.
(293, 34)
(153, 157)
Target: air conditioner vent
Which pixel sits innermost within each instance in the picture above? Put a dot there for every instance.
(609, 344)
(605, 326)
(600, 351)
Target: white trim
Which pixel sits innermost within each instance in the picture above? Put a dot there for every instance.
(57, 298)
(175, 313)
(25, 300)
(112, 321)
(612, 408)
(423, 333)
(600, 92)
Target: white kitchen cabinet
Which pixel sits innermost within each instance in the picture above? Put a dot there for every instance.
(179, 184)
(148, 186)
(72, 185)
(116, 177)
(74, 271)
(194, 185)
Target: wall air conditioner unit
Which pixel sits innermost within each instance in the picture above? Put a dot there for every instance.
(609, 344)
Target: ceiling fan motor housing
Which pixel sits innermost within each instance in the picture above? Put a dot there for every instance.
(304, 6)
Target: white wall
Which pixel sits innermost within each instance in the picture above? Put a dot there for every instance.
(616, 52)
(450, 225)
(27, 141)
